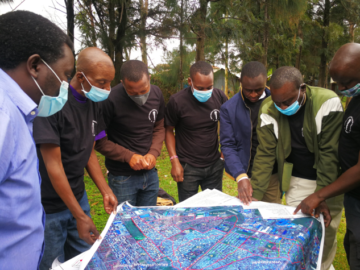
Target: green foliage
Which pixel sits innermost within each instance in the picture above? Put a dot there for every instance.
(166, 76)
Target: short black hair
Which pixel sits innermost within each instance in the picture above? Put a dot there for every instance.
(133, 70)
(23, 33)
(202, 67)
(253, 69)
(286, 74)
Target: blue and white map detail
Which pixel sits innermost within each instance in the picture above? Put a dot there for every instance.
(218, 237)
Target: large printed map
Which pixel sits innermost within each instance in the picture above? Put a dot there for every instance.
(218, 237)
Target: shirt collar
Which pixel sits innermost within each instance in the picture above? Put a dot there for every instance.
(263, 95)
(78, 97)
(22, 101)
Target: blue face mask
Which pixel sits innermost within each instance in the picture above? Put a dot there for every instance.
(293, 108)
(202, 96)
(50, 105)
(352, 92)
(95, 94)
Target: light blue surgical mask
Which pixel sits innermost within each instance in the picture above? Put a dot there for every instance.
(95, 94)
(50, 105)
(293, 108)
(202, 96)
(352, 92)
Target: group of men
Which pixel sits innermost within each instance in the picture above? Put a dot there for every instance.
(291, 140)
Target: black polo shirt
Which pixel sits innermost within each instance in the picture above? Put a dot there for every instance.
(131, 125)
(73, 129)
(302, 159)
(349, 143)
(196, 125)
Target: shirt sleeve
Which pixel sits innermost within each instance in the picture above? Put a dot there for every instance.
(47, 129)
(171, 114)
(7, 145)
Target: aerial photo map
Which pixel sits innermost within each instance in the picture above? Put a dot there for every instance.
(218, 237)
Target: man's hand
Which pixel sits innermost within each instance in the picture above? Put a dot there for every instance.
(151, 160)
(309, 204)
(323, 209)
(177, 171)
(137, 162)
(110, 202)
(245, 191)
(87, 229)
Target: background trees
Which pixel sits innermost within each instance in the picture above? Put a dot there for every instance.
(226, 33)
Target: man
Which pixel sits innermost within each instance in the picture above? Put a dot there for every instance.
(299, 127)
(33, 52)
(65, 144)
(134, 120)
(344, 69)
(194, 114)
(238, 138)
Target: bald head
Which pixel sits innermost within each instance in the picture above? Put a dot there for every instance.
(93, 68)
(91, 59)
(345, 66)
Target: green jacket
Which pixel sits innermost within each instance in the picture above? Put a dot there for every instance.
(322, 125)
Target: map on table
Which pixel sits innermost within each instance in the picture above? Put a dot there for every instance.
(217, 237)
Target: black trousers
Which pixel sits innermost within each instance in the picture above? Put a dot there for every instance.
(352, 236)
(209, 177)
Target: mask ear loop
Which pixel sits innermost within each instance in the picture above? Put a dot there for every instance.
(86, 78)
(38, 86)
(52, 70)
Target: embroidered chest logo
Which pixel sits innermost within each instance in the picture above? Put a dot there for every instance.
(93, 127)
(153, 115)
(348, 124)
(215, 115)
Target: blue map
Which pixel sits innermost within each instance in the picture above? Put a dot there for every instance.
(221, 237)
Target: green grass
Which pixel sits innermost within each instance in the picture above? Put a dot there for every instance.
(163, 166)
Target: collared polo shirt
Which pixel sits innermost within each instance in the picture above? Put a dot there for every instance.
(21, 213)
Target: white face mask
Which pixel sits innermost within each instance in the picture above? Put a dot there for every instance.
(50, 105)
(95, 94)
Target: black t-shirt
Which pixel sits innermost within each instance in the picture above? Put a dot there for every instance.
(254, 113)
(349, 143)
(196, 126)
(131, 125)
(74, 129)
(302, 159)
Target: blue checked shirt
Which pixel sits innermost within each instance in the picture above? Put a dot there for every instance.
(21, 213)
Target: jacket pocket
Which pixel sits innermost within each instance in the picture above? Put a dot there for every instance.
(286, 175)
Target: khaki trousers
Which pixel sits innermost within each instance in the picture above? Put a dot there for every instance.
(299, 189)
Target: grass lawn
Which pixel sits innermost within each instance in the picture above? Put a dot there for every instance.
(164, 167)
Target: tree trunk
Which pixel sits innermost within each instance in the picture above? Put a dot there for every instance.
(200, 40)
(181, 74)
(70, 25)
(111, 36)
(352, 31)
(143, 14)
(93, 31)
(324, 44)
(120, 38)
(226, 67)
(266, 33)
(298, 58)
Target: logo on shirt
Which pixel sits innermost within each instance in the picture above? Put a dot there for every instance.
(348, 124)
(153, 115)
(215, 115)
(93, 127)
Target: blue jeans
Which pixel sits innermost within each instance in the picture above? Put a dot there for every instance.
(209, 177)
(139, 190)
(61, 236)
